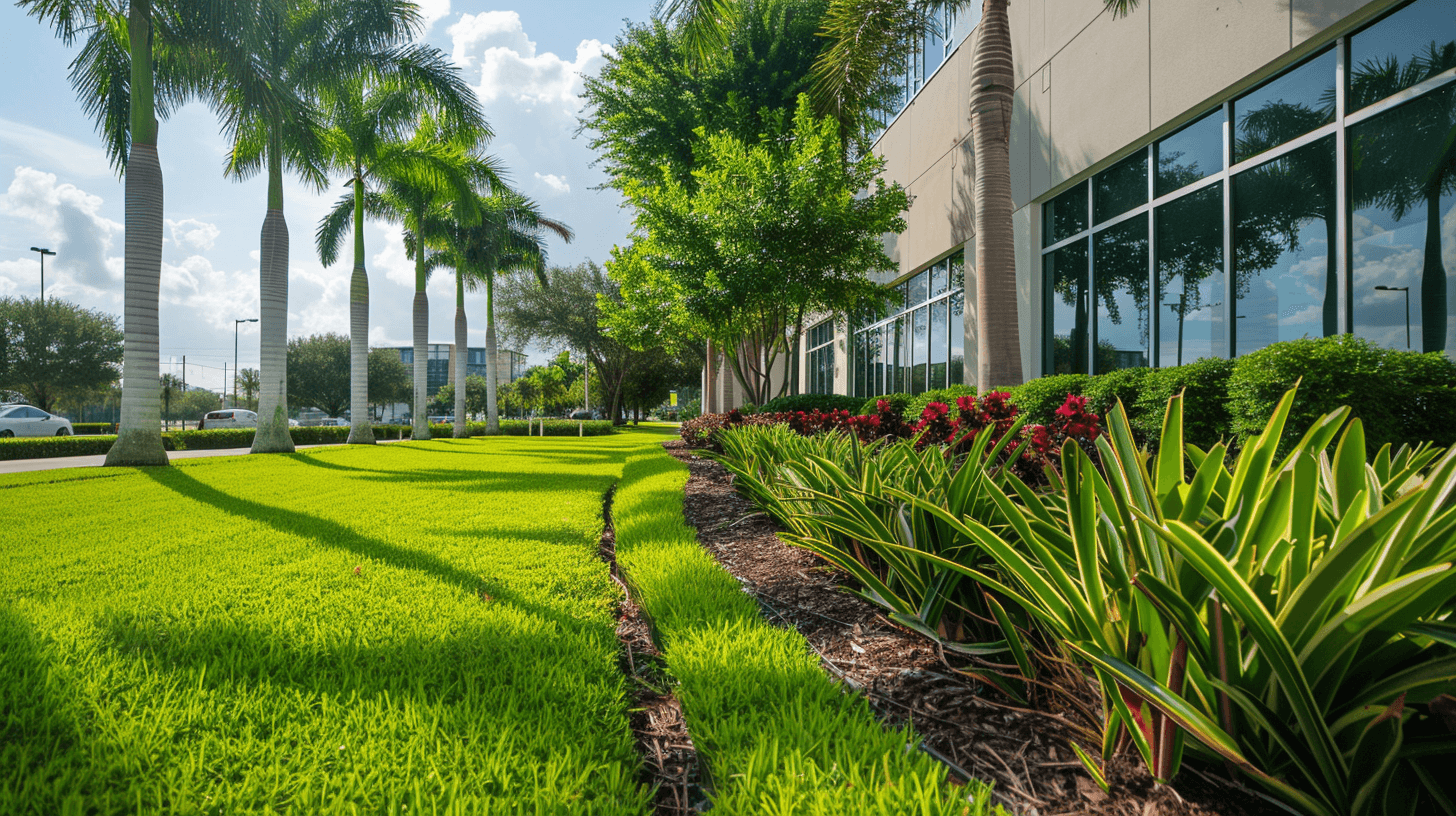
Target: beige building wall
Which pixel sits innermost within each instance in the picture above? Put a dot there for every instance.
(1089, 91)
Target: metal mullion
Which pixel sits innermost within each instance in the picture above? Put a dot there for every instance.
(1114, 221)
(1288, 147)
(1091, 360)
(1345, 322)
(1230, 308)
(1395, 100)
(1065, 242)
(1185, 190)
(1155, 305)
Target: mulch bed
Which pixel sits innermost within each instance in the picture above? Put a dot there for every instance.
(967, 725)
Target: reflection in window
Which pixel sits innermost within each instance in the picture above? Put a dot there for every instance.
(919, 289)
(1404, 191)
(957, 303)
(921, 349)
(1120, 187)
(1193, 153)
(937, 279)
(904, 343)
(1065, 215)
(1409, 46)
(1190, 278)
(1120, 273)
(937, 345)
(1066, 275)
(1284, 229)
(1297, 102)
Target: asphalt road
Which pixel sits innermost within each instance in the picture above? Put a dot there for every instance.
(57, 462)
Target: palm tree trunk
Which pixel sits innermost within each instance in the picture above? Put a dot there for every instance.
(272, 435)
(139, 440)
(998, 340)
(421, 428)
(1433, 279)
(492, 417)
(361, 432)
(461, 350)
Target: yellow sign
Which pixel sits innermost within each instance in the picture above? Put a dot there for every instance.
(672, 398)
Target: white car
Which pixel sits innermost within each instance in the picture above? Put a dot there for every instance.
(27, 420)
(228, 418)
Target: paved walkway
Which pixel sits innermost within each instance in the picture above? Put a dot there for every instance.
(57, 462)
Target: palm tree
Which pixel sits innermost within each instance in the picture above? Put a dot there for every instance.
(141, 59)
(867, 37)
(250, 383)
(414, 194)
(263, 95)
(510, 235)
(369, 120)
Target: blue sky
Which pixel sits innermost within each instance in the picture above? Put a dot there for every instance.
(57, 190)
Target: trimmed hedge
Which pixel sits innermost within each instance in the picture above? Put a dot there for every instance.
(1040, 399)
(899, 401)
(45, 447)
(809, 402)
(1402, 397)
(93, 428)
(916, 406)
(1204, 384)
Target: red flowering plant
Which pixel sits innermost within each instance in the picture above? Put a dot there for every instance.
(809, 423)
(1071, 421)
(936, 426)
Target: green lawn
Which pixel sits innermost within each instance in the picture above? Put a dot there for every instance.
(414, 627)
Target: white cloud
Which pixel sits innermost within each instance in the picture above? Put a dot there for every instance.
(210, 295)
(557, 184)
(433, 10)
(68, 219)
(511, 69)
(189, 232)
(54, 150)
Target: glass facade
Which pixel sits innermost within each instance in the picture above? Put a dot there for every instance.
(921, 344)
(923, 57)
(1302, 208)
(820, 371)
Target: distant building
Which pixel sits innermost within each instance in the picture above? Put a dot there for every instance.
(440, 369)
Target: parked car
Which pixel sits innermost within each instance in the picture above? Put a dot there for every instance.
(441, 420)
(228, 418)
(28, 420)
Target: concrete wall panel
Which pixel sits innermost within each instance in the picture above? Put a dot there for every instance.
(1028, 293)
(1066, 20)
(931, 218)
(937, 126)
(1099, 91)
(1198, 49)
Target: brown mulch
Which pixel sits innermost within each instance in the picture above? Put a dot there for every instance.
(965, 724)
(669, 759)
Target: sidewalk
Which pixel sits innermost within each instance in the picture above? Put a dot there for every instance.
(57, 462)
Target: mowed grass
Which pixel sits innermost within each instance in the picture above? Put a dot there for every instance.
(417, 627)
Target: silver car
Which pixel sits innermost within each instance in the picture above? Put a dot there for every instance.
(228, 418)
(28, 420)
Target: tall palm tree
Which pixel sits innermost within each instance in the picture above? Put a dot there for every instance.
(867, 38)
(141, 59)
(415, 195)
(264, 97)
(510, 235)
(369, 122)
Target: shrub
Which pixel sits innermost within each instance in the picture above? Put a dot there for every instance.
(213, 440)
(554, 427)
(810, 402)
(48, 446)
(916, 406)
(900, 402)
(1204, 384)
(323, 435)
(691, 410)
(93, 428)
(1039, 399)
(1393, 392)
(1104, 390)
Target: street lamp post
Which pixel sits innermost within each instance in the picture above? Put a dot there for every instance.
(43, 253)
(1405, 289)
(235, 356)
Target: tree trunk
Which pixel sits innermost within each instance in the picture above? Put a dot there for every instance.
(1433, 279)
(492, 415)
(998, 337)
(421, 429)
(461, 350)
(1330, 308)
(139, 439)
(361, 432)
(272, 435)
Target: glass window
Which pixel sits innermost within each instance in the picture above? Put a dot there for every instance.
(1065, 215)
(1066, 276)
(1290, 106)
(882, 361)
(1120, 187)
(938, 344)
(920, 350)
(1284, 227)
(933, 47)
(937, 279)
(1120, 274)
(1404, 221)
(918, 289)
(1409, 46)
(1190, 278)
(905, 343)
(1193, 153)
(957, 269)
(407, 356)
(957, 327)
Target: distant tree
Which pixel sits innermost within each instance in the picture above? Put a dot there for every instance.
(444, 404)
(389, 377)
(53, 348)
(318, 372)
(249, 382)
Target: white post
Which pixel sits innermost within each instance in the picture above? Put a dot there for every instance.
(581, 428)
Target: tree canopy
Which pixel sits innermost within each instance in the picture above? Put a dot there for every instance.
(52, 349)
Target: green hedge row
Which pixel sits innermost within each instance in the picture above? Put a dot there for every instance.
(1403, 397)
(809, 402)
(92, 428)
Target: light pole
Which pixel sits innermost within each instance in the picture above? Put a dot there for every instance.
(43, 252)
(1405, 289)
(235, 356)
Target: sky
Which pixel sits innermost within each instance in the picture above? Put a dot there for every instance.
(58, 191)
